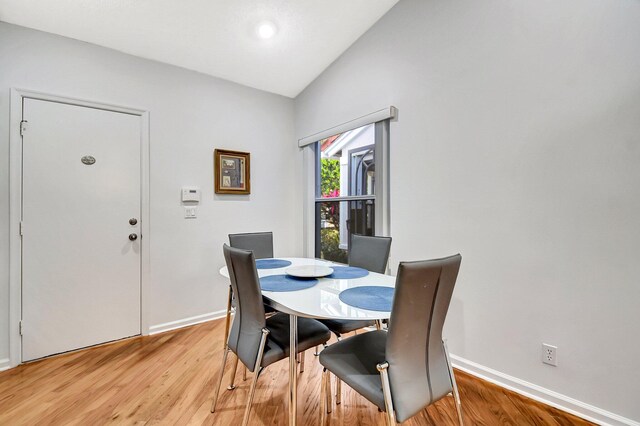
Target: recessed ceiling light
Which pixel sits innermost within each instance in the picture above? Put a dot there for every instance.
(266, 30)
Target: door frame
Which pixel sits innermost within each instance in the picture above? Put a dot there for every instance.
(15, 208)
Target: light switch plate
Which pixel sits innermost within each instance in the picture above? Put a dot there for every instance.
(190, 212)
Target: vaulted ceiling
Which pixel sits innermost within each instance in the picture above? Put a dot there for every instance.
(215, 37)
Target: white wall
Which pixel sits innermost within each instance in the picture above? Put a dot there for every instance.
(190, 115)
(518, 145)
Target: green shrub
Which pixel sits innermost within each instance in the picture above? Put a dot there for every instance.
(330, 246)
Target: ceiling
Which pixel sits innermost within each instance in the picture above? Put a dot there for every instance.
(215, 37)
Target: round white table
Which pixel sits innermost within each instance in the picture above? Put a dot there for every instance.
(319, 301)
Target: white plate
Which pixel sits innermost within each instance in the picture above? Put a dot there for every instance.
(309, 271)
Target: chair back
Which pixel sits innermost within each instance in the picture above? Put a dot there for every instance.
(261, 243)
(370, 253)
(246, 332)
(418, 369)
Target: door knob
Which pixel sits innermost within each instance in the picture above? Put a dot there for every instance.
(133, 237)
(133, 221)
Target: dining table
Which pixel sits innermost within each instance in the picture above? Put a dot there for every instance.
(320, 301)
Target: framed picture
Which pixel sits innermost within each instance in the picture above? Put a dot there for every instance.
(231, 172)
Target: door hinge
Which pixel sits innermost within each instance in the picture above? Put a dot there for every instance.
(24, 125)
(21, 228)
(20, 326)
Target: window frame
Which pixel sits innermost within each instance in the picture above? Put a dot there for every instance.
(380, 197)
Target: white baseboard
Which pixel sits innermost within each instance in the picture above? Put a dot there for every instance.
(545, 396)
(5, 364)
(185, 322)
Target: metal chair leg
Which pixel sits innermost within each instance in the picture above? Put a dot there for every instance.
(217, 391)
(302, 356)
(258, 370)
(244, 374)
(386, 390)
(227, 321)
(316, 353)
(338, 383)
(293, 369)
(232, 379)
(454, 385)
(323, 397)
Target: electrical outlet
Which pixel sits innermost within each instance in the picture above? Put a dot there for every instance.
(550, 354)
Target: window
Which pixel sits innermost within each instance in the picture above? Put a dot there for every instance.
(349, 188)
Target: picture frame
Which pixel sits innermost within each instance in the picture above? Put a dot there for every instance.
(231, 170)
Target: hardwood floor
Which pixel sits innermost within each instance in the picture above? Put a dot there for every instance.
(168, 379)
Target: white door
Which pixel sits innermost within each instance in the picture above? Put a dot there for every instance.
(80, 270)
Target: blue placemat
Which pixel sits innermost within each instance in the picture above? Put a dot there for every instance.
(286, 283)
(373, 298)
(271, 263)
(347, 272)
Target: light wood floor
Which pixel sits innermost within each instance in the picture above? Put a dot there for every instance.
(168, 379)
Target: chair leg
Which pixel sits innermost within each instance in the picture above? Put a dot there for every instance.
(232, 379)
(316, 353)
(323, 397)
(252, 391)
(328, 394)
(227, 321)
(302, 361)
(378, 325)
(339, 383)
(258, 370)
(217, 390)
(386, 390)
(454, 385)
(244, 374)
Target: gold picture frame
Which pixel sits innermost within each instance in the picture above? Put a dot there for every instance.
(231, 172)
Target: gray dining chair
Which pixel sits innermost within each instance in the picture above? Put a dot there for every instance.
(261, 243)
(256, 340)
(372, 254)
(407, 368)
